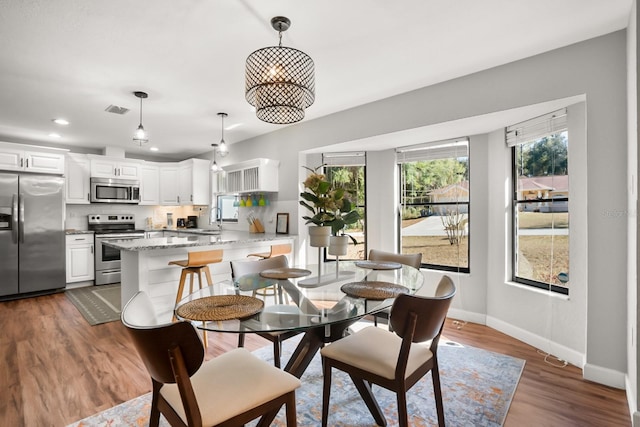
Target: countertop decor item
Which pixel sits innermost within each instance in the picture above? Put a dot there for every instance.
(280, 81)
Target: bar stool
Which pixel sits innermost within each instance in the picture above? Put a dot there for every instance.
(196, 263)
(283, 249)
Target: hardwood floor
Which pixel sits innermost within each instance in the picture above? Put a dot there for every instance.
(57, 369)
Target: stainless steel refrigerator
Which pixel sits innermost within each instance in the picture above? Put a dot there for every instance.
(32, 241)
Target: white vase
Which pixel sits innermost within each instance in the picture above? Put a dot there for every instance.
(338, 245)
(319, 236)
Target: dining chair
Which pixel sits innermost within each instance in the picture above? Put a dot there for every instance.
(242, 268)
(393, 360)
(229, 390)
(413, 260)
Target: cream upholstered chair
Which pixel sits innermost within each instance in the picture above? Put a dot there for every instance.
(229, 390)
(413, 260)
(241, 268)
(393, 360)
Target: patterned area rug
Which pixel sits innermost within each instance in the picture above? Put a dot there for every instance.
(477, 387)
(97, 304)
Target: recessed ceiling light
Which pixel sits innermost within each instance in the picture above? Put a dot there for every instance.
(154, 149)
(54, 135)
(62, 122)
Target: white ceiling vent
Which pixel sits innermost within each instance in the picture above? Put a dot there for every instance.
(116, 110)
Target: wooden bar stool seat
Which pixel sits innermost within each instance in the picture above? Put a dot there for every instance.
(283, 249)
(196, 263)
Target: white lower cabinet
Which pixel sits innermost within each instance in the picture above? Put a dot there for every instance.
(80, 258)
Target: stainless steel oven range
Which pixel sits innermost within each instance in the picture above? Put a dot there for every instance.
(111, 227)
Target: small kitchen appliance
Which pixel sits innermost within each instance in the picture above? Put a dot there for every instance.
(192, 221)
(181, 223)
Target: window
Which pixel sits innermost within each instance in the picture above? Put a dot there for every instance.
(541, 202)
(434, 199)
(347, 170)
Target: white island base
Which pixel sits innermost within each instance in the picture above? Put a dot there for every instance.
(145, 265)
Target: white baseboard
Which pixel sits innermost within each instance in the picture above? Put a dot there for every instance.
(600, 375)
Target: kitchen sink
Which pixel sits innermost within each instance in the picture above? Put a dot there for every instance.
(204, 231)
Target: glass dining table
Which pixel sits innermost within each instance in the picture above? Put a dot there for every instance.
(321, 303)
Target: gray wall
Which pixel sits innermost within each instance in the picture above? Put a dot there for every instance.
(595, 325)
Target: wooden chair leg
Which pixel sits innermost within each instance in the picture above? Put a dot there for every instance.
(276, 352)
(200, 278)
(291, 410)
(183, 277)
(437, 393)
(326, 391)
(240, 340)
(191, 274)
(208, 274)
(367, 395)
(403, 417)
(154, 418)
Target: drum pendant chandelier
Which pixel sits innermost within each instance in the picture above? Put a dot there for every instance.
(280, 81)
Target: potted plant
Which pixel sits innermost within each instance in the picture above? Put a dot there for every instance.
(331, 212)
(317, 198)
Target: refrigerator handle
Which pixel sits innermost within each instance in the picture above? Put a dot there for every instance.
(21, 213)
(14, 218)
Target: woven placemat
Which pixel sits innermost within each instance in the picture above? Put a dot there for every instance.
(373, 290)
(379, 265)
(220, 307)
(284, 273)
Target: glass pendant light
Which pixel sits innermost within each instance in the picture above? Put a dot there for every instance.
(140, 137)
(220, 148)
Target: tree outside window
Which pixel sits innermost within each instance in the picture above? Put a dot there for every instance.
(434, 197)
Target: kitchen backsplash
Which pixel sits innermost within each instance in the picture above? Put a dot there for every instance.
(76, 215)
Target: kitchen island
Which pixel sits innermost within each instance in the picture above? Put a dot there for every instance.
(145, 262)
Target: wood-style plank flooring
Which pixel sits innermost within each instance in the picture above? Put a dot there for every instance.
(56, 369)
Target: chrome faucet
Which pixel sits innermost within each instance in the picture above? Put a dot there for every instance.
(219, 218)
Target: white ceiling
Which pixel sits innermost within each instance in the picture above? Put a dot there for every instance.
(74, 58)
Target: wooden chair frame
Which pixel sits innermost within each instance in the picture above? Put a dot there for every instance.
(418, 319)
(172, 353)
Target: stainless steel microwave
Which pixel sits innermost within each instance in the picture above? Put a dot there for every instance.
(110, 190)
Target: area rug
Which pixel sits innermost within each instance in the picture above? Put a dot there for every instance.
(97, 304)
(477, 388)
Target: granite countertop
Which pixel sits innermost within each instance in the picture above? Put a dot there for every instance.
(223, 238)
(73, 231)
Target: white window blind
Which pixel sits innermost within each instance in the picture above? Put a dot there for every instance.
(450, 149)
(537, 128)
(354, 158)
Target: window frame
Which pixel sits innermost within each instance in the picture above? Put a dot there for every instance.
(458, 204)
(516, 202)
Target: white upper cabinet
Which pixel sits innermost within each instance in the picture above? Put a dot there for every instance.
(107, 167)
(193, 182)
(13, 157)
(149, 184)
(169, 184)
(77, 179)
(252, 176)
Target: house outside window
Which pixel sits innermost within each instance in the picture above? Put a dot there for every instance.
(434, 200)
(540, 150)
(348, 171)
